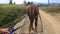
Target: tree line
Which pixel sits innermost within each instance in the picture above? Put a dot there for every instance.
(10, 2)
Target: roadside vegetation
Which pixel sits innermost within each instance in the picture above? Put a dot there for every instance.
(51, 9)
(11, 14)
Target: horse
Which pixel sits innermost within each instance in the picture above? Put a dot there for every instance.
(33, 13)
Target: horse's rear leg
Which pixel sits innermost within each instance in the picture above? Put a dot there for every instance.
(31, 25)
(36, 19)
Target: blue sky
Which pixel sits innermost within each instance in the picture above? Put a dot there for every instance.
(21, 1)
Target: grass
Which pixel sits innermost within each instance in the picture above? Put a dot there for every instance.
(11, 14)
(51, 9)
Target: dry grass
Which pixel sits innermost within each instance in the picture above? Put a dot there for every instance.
(51, 9)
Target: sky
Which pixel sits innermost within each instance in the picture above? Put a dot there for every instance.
(21, 1)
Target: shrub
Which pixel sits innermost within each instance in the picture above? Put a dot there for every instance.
(9, 13)
(51, 9)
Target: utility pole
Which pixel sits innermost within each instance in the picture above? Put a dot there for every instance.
(10, 2)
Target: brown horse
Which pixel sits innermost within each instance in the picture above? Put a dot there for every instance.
(33, 12)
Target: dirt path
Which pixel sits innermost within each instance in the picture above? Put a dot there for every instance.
(51, 25)
(25, 28)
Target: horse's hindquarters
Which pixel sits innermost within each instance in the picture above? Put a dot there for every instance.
(33, 11)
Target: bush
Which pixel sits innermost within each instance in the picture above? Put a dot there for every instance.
(51, 9)
(8, 14)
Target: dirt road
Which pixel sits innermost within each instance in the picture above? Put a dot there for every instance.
(51, 25)
(25, 27)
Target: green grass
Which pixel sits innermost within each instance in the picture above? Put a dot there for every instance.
(11, 14)
(51, 9)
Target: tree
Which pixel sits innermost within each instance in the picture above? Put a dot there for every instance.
(29, 3)
(48, 2)
(14, 3)
(10, 2)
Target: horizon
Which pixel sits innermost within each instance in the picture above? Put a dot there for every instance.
(22, 1)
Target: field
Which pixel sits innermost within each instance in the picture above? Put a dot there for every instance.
(51, 9)
(11, 14)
